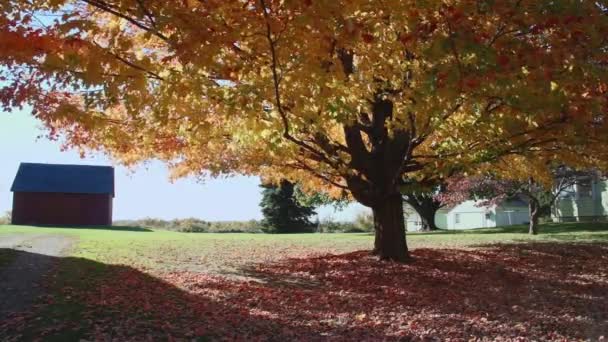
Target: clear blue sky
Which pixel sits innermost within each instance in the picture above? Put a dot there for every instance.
(143, 192)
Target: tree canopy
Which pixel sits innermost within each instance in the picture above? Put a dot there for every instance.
(341, 96)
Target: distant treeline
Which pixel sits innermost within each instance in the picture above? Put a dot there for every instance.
(362, 223)
(194, 225)
(6, 218)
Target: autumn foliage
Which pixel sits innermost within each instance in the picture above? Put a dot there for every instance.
(342, 96)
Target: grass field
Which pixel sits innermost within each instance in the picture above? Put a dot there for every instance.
(225, 252)
(129, 283)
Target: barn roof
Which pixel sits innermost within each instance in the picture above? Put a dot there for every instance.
(77, 179)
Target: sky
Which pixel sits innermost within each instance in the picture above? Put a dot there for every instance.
(143, 192)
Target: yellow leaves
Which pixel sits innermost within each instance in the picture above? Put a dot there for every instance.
(361, 317)
(195, 82)
(520, 168)
(116, 24)
(193, 3)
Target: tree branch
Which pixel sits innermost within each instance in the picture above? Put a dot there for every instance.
(107, 8)
(129, 63)
(277, 93)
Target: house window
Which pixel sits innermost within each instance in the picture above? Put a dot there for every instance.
(457, 218)
(584, 188)
(568, 192)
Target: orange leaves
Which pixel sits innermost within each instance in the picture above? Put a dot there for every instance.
(23, 45)
(210, 85)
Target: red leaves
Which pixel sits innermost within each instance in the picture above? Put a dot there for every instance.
(509, 292)
(472, 83)
(405, 38)
(452, 13)
(503, 60)
(367, 37)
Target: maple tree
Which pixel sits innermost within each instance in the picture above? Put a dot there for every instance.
(341, 96)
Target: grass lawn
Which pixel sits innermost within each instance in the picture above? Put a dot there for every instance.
(226, 252)
(127, 283)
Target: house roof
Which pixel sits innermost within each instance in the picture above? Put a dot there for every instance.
(77, 179)
(515, 202)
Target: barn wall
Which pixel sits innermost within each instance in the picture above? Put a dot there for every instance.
(62, 209)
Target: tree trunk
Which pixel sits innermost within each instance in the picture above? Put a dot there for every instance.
(390, 229)
(534, 214)
(426, 207)
(427, 215)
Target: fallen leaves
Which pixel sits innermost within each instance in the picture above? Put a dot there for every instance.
(507, 292)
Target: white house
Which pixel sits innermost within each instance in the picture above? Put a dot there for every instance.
(585, 201)
(469, 214)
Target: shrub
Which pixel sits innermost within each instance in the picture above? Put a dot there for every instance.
(328, 225)
(365, 221)
(189, 225)
(251, 226)
(6, 219)
(194, 225)
(150, 222)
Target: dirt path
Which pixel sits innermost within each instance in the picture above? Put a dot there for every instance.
(20, 280)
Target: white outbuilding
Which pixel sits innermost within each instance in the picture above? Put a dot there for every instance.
(469, 215)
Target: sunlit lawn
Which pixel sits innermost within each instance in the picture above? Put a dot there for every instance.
(226, 252)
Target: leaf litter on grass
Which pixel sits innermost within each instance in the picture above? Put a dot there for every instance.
(504, 292)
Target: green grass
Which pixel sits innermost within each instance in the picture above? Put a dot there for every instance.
(550, 232)
(226, 253)
(221, 252)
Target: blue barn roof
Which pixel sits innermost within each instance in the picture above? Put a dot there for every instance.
(76, 179)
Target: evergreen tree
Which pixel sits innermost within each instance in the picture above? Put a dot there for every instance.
(283, 213)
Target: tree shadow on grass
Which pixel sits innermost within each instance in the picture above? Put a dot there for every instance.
(88, 300)
(536, 291)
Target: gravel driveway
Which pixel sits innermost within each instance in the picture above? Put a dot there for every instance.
(20, 280)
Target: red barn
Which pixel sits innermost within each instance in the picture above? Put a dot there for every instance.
(65, 195)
